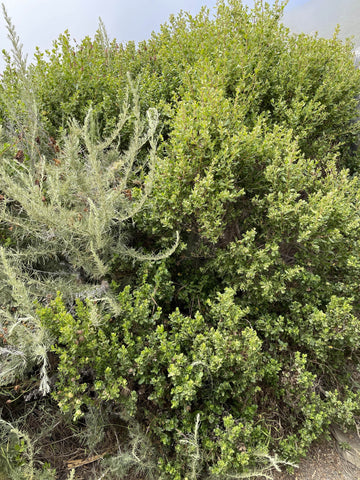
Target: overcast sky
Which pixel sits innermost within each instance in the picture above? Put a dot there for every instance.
(324, 15)
(39, 22)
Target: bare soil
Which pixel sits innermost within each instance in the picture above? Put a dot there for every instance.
(322, 463)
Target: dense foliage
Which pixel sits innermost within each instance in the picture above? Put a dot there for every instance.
(241, 345)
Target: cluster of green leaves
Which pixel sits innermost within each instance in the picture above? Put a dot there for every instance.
(165, 376)
(244, 341)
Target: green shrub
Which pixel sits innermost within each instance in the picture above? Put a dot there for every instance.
(243, 344)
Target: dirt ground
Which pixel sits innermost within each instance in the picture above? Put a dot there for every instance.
(322, 463)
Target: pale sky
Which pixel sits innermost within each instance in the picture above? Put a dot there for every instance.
(324, 15)
(39, 22)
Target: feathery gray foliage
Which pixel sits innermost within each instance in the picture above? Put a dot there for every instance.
(64, 206)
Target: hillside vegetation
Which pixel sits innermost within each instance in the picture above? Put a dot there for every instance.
(179, 250)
